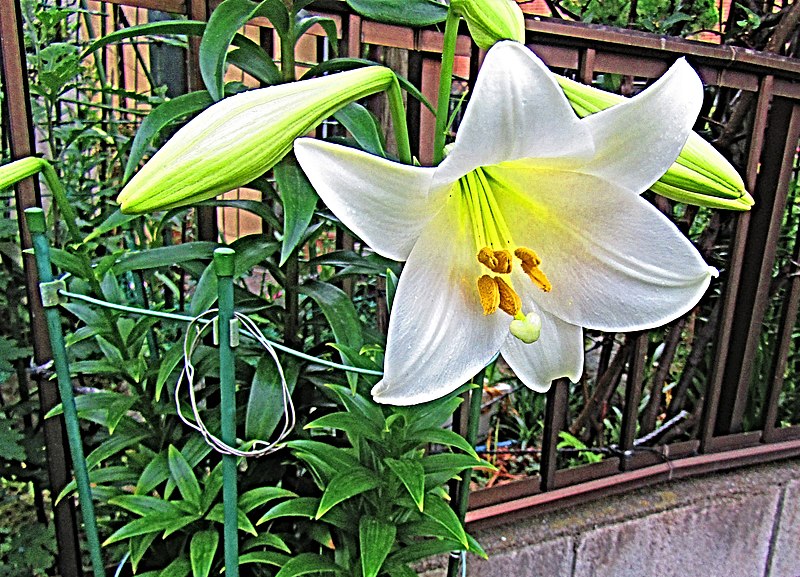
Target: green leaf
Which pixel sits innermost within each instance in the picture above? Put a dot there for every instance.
(306, 563)
(299, 203)
(145, 504)
(438, 511)
(265, 403)
(412, 475)
(158, 119)
(260, 496)
(401, 13)
(351, 424)
(364, 127)
(152, 523)
(345, 485)
(222, 26)
(113, 445)
(360, 405)
(299, 507)
(115, 220)
(444, 437)
(338, 310)
(10, 446)
(422, 549)
(375, 537)
(187, 27)
(391, 287)
(217, 514)
(165, 256)
(69, 262)
(252, 58)
(266, 540)
(180, 567)
(264, 558)
(201, 552)
(304, 21)
(167, 366)
(138, 546)
(334, 459)
(183, 476)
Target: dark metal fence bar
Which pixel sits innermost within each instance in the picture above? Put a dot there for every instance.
(21, 144)
(555, 417)
(633, 395)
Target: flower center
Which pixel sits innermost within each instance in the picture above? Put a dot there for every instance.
(494, 245)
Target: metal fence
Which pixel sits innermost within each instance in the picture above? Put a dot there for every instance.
(732, 362)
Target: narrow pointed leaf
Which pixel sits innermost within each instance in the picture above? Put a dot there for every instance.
(261, 496)
(299, 203)
(217, 513)
(265, 403)
(375, 538)
(201, 552)
(183, 27)
(306, 563)
(183, 476)
(412, 475)
(346, 485)
(305, 21)
(299, 507)
(441, 513)
(364, 127)
(252, 58)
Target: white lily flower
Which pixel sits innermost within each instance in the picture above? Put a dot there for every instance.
(533, 211)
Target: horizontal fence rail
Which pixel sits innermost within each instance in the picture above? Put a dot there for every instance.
(731, 360)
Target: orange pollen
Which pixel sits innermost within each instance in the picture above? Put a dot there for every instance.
(530, 266)
(489, 294)
(498, 261)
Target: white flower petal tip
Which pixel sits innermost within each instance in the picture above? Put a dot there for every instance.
(532, 211)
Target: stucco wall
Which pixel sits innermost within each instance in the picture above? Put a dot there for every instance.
(737, 524)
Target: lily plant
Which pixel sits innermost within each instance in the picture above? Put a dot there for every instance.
(531, 228)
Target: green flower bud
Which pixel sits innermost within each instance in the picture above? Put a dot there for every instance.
(239, 138)
(700, 175)
(12, 173)
(490, 21)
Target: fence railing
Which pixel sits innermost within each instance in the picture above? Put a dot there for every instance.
(732, 362)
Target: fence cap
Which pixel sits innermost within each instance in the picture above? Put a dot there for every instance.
(34, 216)
(224, 261)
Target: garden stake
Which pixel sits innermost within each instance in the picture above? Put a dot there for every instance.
(37, 225)
(224, 260)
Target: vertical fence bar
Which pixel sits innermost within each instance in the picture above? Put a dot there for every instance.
(17, 115)
(633, 395)
(37, 226)
(771, 189)
(224, 262)
(555, 417)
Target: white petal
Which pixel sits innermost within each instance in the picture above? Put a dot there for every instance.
(558, 353)
(385, 203)
(438, 336)
(615, 262)
(638, 140)
(517, 110)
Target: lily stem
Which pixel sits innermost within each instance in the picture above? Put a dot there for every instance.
(445, 82)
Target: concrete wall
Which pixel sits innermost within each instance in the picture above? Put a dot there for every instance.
(737, 524)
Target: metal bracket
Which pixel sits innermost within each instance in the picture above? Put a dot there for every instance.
(50, 293)
(234, 331)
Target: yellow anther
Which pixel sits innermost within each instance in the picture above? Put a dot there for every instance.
(486, 257)
(503, 261)
(489, 294)
(509, 300)
(530, 265)
(527, 256)
(498, 261)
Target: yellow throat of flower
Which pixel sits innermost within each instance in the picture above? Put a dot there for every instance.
(494, 245)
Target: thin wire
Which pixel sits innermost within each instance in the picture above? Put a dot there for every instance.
(188, 319)
(198, 326)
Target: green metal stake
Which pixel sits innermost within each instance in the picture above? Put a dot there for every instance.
(37, 226)
(224, 262)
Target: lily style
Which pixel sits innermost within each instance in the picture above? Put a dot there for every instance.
(530, 229)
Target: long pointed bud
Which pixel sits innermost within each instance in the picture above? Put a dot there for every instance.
(241, 137)
(490, 21)
(700, 175)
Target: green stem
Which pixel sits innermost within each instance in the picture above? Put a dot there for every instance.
(445, 82)
(223, 266)
(399, 123)
(37, 226)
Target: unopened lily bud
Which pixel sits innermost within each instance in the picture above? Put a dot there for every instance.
(526, 328)
(490, 21)
(239, 138)
(13, 172)
(700, 175)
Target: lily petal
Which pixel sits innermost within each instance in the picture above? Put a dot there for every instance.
(385, 203)
(651, 128)
(558, 353)
(626, 277)
(517, 110)
(438, 335)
